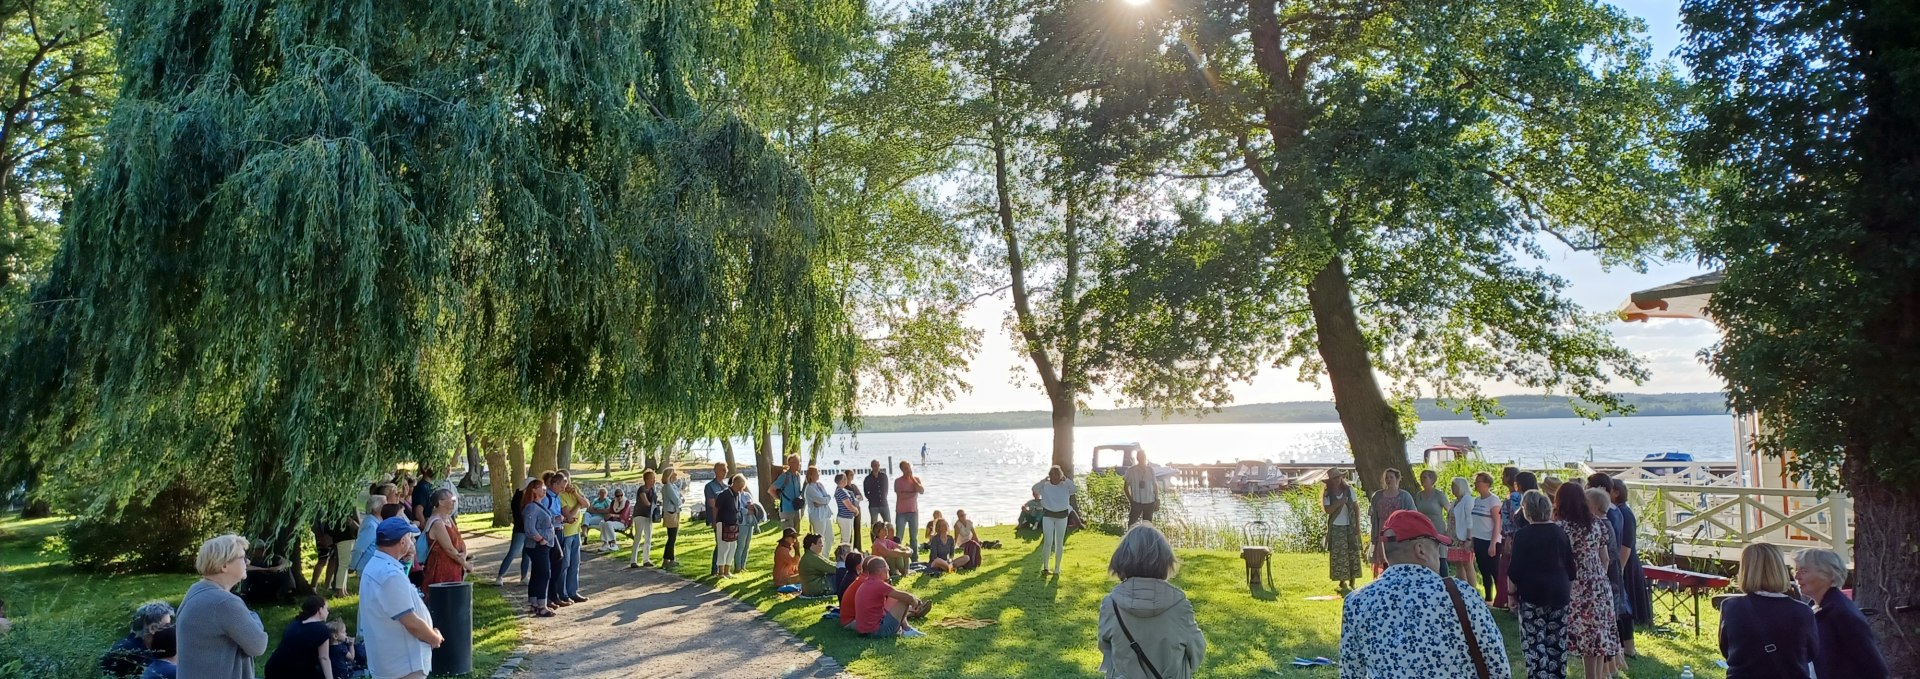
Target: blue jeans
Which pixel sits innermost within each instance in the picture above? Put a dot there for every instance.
(541, 559)
(908, 528)
(570, 573)
(740, 550)
(513, 549)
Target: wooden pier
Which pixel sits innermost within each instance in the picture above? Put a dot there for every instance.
(1215, 475)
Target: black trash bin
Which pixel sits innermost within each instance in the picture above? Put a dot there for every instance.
(451, 605)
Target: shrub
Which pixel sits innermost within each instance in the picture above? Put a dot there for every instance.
(160, 535)
(1105, 501)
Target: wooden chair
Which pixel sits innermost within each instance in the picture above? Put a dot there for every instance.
(1256, 549)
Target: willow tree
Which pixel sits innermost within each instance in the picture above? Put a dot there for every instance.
(301, 203)
(1402, 164)
(1812, 127)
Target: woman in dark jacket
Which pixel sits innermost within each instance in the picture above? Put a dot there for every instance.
(1846, 644)
(519, 542)
(1542, 574)
(1764, 633)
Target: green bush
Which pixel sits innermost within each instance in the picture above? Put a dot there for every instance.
(163, 535)
(1104, 501)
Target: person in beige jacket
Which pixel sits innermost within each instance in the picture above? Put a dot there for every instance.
(1145, 620)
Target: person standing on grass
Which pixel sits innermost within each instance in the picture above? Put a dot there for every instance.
(875, 486)
(129, 656)
(1487, 534)
(518, 545)
(399, 629)
(672, 491)
(218, 636)
(1056, 501)
(882, 610)
(383, 494)
(713, 489)
(1460, 527)
(1383, 503)
(1410, 622)
(647, 508)
(1511, 520)
(1146, 626)
(1142, 490)
(447, 560)
(752, 514)
(726, 524)
(306, 647)
(789, 489)
(1542, 582)
(1765, 632)
(819, 499)
(906, 506)
(1432, 501)
(166, 654)
(1590, 632)
(1846, 643)
(1343, 530)
(542, 540)
(846, 505)
(421, 505)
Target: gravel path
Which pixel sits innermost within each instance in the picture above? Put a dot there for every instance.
(647, 622)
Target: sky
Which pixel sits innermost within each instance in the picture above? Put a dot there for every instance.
(1002, 379)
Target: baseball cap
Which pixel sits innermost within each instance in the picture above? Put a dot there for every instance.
(393, 530)
(1402, 525)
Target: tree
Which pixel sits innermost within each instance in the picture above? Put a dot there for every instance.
(301, 210)
(1812, 129)
(1396, 165)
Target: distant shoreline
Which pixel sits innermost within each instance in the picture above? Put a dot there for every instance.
(1291, 412)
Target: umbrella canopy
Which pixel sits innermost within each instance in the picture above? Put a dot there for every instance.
(1680, 299)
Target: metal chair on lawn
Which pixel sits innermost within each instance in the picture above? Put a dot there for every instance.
(1256, 548)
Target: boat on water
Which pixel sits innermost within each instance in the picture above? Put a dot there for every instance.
(1251, 477)
(1451, 448)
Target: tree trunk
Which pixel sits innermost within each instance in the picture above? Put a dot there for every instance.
(1064, 412)
(1372, 426)
(1886, 556)
(37, 507)
(820, 444)
(499, 484)
(763, 463)
(517, 456)
(564, 455)
(726, 451)
(546, 445)
(474, 464)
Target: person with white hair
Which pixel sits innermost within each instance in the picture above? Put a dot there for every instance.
(218, 637)
(129, 656)
(1147, 628)
(1846, 646)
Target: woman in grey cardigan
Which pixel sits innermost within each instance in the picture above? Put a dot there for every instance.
(218, 637)
(1145, 620)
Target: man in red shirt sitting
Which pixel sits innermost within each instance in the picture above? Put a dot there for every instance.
(881, 610)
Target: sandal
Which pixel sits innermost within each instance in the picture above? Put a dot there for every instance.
(544, 613)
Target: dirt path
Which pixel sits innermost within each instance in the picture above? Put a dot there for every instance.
(650, 623)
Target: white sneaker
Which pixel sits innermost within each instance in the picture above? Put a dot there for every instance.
(911, 633)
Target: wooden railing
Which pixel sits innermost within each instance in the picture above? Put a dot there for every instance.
(1710, 474)
(1717, 521)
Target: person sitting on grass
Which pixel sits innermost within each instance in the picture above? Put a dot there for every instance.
(815, 571)
(786, 559)
(166, 654)
(886, 546)
(882, 610)
(849, 595)
(130, 655)
(940, 546)
(848, 569)
(5, 624)
(306, 646)
(969, 539)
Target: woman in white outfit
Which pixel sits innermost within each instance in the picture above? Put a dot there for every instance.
(646, 506)
(1056, 502)
(819, 499)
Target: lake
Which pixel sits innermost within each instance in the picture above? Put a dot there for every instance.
(990, 473)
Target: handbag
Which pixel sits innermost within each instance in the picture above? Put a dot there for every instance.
(656, 512)
(1466, 626)
(1141, 654)
(729, 532)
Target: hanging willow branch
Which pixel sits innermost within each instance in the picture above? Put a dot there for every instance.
(313, 220)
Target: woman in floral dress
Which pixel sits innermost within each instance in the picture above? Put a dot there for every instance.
(1343, 530)
(1590, 623)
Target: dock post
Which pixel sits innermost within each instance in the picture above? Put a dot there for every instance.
(1838, 531)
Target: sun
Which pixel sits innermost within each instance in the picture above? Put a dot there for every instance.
(1136, 3)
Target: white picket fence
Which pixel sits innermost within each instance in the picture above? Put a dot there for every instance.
(1718, 521)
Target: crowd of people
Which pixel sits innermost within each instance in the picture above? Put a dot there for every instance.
(1561, 556)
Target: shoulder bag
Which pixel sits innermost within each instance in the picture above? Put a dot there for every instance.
(1141, 654)
(1466, 627)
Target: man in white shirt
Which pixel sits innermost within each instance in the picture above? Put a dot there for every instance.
(398, 629)
(1143, 491)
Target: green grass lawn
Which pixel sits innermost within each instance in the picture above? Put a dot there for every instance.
(63, 619)
(1046, 627)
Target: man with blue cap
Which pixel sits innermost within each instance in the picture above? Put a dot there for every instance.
(398, 629)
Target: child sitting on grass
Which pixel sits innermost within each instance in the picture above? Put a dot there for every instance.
(348, 657)
(166, 651)
(848, 568)
(890, 549)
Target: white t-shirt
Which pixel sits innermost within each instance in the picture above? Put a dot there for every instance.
(1483, 510)
(1345, 498)
(1463, 518)
(1142, 485)
(1055, 498)
(385, 596)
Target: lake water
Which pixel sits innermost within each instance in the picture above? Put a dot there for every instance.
(990, 473)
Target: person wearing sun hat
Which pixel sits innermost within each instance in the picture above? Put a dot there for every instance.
(399, 630)
(1411, 621)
